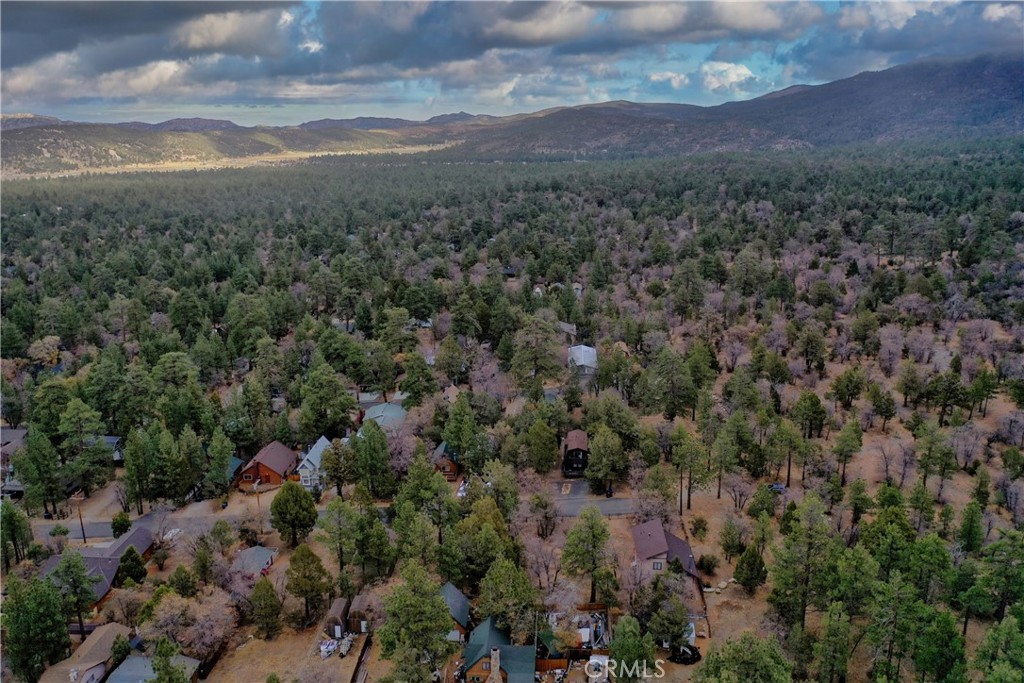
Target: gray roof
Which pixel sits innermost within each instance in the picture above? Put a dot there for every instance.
(139, 669)
(254, 560)
(651, 539)
(105, 568)
(386, 414)
(140, 538)
(315, 454)
(458, 604)
(583, 356)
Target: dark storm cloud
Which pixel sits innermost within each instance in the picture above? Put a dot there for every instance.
(854, 40)
(32, 30)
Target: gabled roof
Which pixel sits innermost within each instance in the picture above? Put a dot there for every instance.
(583, 356)
(444, 451)
(275, 456)
(103, 567)
(139, 669)
(95, 650)
(254, 560)
(576, 440)
(233, 464)
(517, 661)
(140, 538)
(650, 539)
(315, 454)
(458, 604)
(386, 414)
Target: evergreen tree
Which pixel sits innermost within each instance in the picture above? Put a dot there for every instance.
(416, 535)
(266, 609)
(293, 512)
(307, 579)
(35, 627)
(137, 453)
(337, 527)
(183, 581)
(76, 586)
(418, 382)
(218, 477)
(689, 458)
(749, 659)
(939, 651)
(632, 652)
(607, 460)
(541, 446)
(750, 570)
(373, 460)
(833, 648)
(326, 406)
(585, 550)
(892, 622)
(38, 468)
(848, 443)
(971, 534)
(417, 618)
(507, 594)
(131, 566)
(15, 534)
(165, 670)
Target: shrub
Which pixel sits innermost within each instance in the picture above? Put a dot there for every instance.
(160, 558)
(708, 564)
(699, 528)
(120, 524)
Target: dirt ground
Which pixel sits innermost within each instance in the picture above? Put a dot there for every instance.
(293, 656)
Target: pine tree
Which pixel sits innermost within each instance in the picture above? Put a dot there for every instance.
(35, 627)
(183, 581)
(833, 648)
(971, 534)
(372, 460)
(848, 443)
(750, 570)
(418, 382)
(338, 526)
(632, 652)
(76, 585)
(266, 609)
(690, 459)
(417, 618)
(585, 550)
(307, 578)
(607, 459)
(749, 659)
(131, 566)
(218, 478)
(293, 512)
(507, 594)
(541, 446)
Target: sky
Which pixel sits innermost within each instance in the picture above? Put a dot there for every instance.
(282, 63)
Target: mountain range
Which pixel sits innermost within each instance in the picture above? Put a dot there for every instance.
(925, 100)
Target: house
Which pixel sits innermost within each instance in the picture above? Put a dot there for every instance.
(367, 399)
(309, 469)
(584, 359)
(446, 461)
(360, 614)
(654, 548)
(271, 467)
(234, 464)
(254, 561)
(139, 669)
(92, 659)
(458, 608)
(491, 658)
(450, 394)
(386, 415)
(336, 621)
(102, 561)
(575, 453)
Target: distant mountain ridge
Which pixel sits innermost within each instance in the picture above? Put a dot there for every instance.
(933, 99)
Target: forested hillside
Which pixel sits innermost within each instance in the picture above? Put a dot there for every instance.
(846, 325)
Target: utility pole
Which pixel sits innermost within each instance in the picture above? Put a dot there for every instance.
(259, 510)
(79, 498)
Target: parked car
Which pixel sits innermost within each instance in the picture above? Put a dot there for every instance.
(777, 487)
(686, 654)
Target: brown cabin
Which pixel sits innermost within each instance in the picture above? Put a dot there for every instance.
(336, 621)
(359, 614)
(271, 467)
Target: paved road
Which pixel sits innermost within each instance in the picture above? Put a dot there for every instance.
(572, 495)
(94, 531)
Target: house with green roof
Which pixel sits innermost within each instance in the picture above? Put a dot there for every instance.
(491, 657)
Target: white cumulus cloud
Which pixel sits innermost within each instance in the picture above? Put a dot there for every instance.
(674, 79)
(725, 76)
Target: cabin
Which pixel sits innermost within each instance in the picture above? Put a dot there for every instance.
(575, 453)
(458, 609)
(336, 621)
(254, 561)
(92, 659)
(654, 547)
(584, 359)
(386, 415)
(446, 461)
(491, 658)
(270, 467)
(138, 668)
(310, 473)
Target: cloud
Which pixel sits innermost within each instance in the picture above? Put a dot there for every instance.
(241, 33)
(999, 12)
(725, 77)
(676, 80)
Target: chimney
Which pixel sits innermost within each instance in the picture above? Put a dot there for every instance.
(495, 675)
